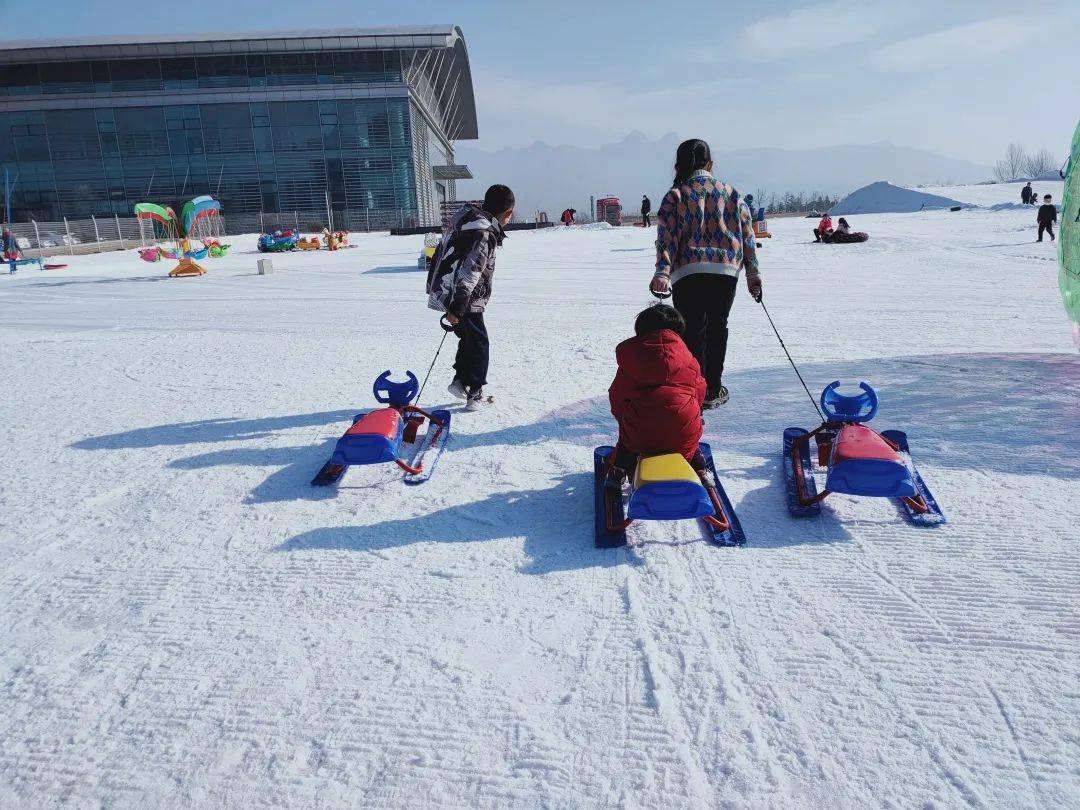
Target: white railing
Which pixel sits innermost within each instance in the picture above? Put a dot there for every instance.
(99, 234)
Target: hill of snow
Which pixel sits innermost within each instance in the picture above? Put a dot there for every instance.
(885, 198)
(186, 622)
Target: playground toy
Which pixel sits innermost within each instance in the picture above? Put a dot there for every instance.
(215, 249)
(857, 459)
(663, 487)
(308, 244)
(165, 219)
(198, 215)
(378, 436)
(278, 241)
(427, 253)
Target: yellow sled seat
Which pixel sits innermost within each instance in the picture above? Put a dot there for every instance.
(667, 488)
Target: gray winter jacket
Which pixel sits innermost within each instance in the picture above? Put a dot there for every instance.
(460, 278)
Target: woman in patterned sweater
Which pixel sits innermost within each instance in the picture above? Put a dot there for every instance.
(705, 237)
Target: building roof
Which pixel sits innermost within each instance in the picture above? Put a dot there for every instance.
(448, 71)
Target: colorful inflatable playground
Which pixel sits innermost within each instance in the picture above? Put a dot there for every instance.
(1069, 242)
(188, 239)
(279, 239)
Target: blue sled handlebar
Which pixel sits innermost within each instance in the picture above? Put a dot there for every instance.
(392, 393)
(855, 408)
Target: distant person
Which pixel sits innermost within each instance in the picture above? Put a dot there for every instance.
(843, 235)
(11, 246)
(657, 394)
(704, 240)
(459, 285)
(1026, 194)
(824, 229)
(567, 217)
(1046, 218)
(646, 207)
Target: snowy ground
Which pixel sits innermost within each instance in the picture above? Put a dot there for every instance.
(185, 622)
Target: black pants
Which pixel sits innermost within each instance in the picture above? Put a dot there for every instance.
(704, 300)
(471, 363)
(1049, 228)
(645, 218)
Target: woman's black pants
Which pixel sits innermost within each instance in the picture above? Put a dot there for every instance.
(704, 300)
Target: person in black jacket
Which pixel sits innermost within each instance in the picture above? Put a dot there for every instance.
(1025, 194)
(646, 208)
(459, 285)
(1046, 218)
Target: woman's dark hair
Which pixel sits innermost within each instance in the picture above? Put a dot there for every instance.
(657, 317)
(843, 221)
(691, 155)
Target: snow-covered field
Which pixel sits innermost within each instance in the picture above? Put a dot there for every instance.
(185, 622)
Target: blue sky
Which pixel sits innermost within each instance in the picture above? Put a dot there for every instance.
(961, 78)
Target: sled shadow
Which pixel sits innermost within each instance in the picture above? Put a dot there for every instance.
(211, 430)
(999, 413)
(555, 522)
(73, 281)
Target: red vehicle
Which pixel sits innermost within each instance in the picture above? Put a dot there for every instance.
(609, 209)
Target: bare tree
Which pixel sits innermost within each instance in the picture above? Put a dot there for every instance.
(1040, 163)
(1013, 165)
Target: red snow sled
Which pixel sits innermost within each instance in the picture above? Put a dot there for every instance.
(378, 437)
(858, 460)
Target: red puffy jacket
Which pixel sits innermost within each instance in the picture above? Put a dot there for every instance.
(657, 395)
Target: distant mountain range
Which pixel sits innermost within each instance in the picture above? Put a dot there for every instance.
(551, 178)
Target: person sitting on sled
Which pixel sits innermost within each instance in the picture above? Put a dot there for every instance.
(657, 394)
(824, 229)
(842, 227)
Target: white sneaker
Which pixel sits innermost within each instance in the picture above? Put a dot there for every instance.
(457, 389)
(477, 401)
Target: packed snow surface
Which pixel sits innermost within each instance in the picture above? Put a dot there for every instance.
(885, 198)
(184, 621)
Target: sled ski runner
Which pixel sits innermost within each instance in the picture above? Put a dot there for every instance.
(663, 487)
(378, 436)
(857, 459)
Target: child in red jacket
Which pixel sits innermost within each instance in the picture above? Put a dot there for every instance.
(657, 394)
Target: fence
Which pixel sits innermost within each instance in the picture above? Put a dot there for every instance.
(99, 234)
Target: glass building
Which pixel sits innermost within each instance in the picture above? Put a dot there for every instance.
(362, 121)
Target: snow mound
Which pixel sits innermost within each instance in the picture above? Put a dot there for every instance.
(597, 226)
(885, 198)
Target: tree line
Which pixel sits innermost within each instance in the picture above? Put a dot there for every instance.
(1019, 164)
(794, 202)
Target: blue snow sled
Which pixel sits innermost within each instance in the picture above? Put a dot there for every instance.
(858, 459)
(663, 487)
(376, 437)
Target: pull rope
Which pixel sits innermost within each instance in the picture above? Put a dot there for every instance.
(433, 361)
(782, 346)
